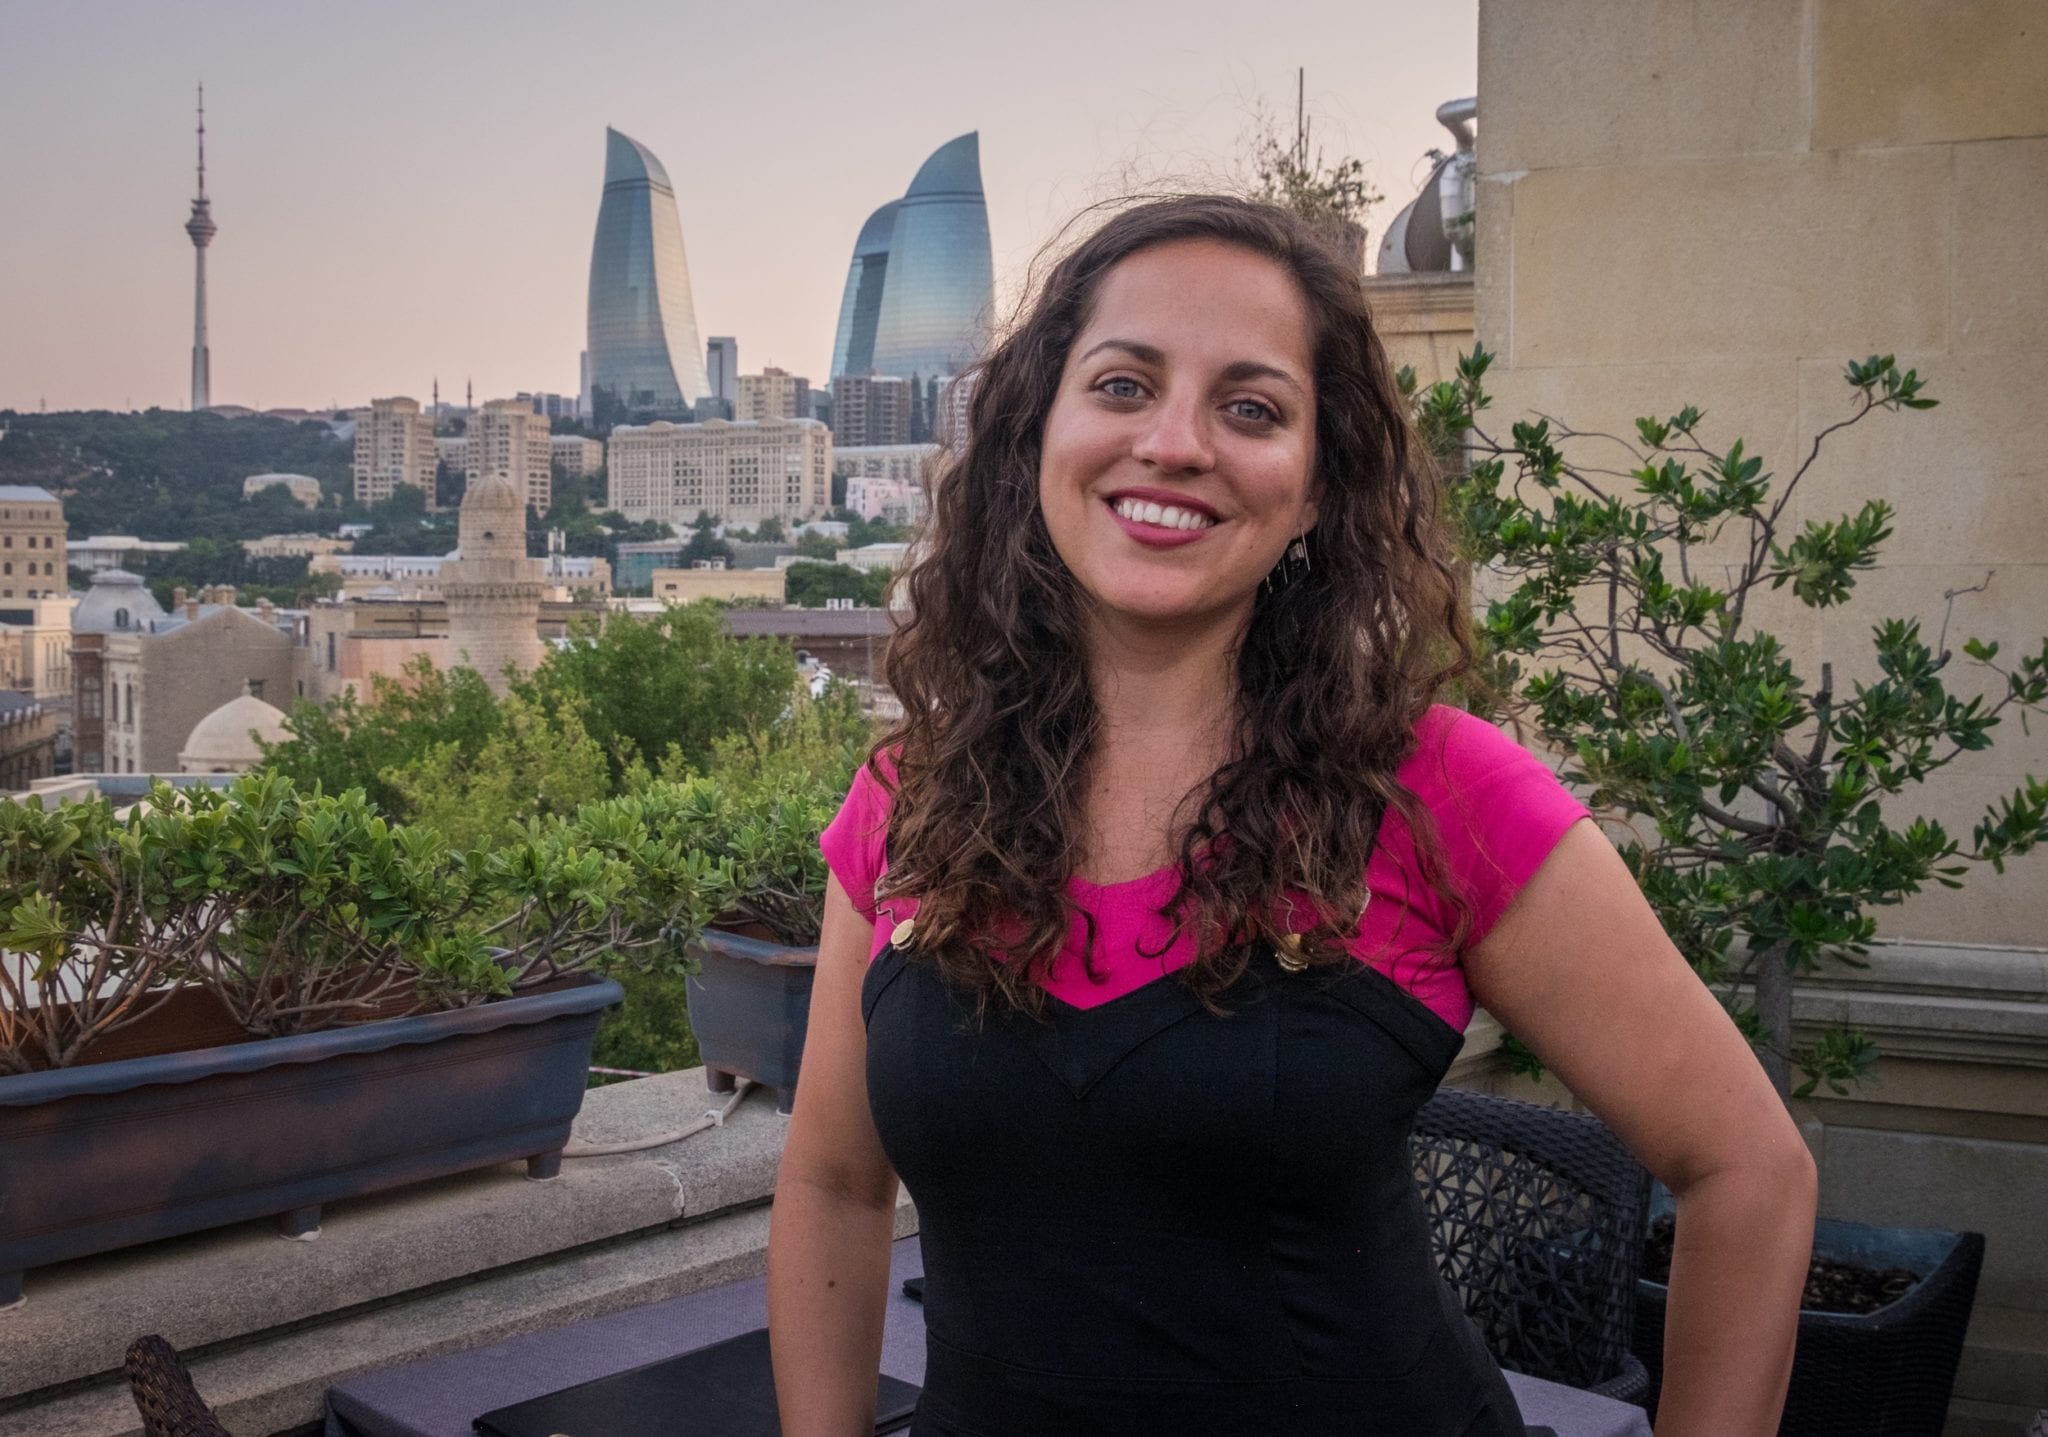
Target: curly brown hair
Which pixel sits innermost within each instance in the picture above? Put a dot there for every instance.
(1332, 675)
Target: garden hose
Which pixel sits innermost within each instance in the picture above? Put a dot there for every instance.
(713, 1118)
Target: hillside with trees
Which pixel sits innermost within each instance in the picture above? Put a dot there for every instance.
(167, 474)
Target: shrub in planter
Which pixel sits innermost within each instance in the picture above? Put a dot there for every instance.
(1762, 803)
(300, 929)
(762, 814)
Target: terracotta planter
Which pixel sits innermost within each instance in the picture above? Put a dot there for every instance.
(137, 1148)
(750, 1003)
(1887, 1373)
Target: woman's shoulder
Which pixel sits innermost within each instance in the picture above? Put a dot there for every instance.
(1455, 750)
(854, 842)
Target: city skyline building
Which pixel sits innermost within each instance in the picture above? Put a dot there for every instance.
(742, 472)
(201, 229)
(871, 409)
(394, 445)
(722, 368)
(921, 286)
(645, 355)
(507, 439)
(860, 306)
(773, 394)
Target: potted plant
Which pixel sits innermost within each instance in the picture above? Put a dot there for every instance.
(248, 1002)
(1754, 794)
(750, 993)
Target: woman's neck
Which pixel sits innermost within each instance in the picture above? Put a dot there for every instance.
(1165, 684)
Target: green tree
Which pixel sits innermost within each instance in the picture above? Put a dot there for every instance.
(1771, 805)
(673, 679)
(813, 545)
(343, 744)
(703, 545)
(862, 532)
(810, 585)
(536, 765)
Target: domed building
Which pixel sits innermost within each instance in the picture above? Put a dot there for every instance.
(117, 603)
(231, 738)
(492, 589)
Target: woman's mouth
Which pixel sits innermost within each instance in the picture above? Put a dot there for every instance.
(1160, 524)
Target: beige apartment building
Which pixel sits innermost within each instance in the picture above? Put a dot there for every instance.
(35, 647)
(33, 555)
(741, 472)
(773, 394)
(577, 456)
(508, 440)
(394, 446)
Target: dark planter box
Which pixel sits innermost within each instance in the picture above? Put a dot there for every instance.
(749, 1005)
(1887, 1373)
(113, 1153)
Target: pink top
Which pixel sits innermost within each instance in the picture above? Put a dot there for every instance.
(1498, 811)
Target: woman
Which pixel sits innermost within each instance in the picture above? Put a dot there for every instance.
(1162, 911)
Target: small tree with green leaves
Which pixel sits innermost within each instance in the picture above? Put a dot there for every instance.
(1765, 808)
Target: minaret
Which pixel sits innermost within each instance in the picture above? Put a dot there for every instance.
(202, 230)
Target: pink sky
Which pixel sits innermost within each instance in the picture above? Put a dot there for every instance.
(409, 191)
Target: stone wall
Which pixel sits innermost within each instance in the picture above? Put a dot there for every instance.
(1424, 320)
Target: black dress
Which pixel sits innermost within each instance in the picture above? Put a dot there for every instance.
(1143, 1218)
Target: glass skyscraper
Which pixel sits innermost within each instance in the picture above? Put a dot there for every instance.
(853, 348)
(922, 283)
(645, 357)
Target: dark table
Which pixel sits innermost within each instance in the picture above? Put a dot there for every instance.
(438, 1396)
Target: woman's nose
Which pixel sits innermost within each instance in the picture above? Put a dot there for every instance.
(1176, 437)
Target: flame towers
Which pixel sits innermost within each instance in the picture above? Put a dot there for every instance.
(201, 229)
(919, 292)
(645, 358)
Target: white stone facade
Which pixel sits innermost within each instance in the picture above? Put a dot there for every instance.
(740, 472)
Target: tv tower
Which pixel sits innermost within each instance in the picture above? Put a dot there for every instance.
(202, 230)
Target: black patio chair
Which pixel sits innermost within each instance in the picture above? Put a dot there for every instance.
(1537, 1218)
(164, 1394)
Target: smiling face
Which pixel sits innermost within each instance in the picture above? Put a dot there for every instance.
(1178, 456)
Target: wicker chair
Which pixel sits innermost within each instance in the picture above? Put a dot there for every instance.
(1537, 1219)
(164, 1395)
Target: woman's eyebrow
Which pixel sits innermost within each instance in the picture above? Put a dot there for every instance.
(1143, 353)
(1252, 369)
(1235, 373)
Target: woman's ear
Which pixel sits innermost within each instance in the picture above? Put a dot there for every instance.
(1311, 510)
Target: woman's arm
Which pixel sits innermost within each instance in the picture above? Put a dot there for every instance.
(835, 1203)
(1580, 970)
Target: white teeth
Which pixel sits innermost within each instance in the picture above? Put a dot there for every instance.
(1165, 516)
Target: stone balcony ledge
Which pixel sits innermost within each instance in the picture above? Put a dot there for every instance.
(269, 1324)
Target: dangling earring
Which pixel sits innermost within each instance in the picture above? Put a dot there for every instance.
(1293, 565)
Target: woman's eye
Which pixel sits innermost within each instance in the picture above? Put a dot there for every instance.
(1256, 411)
(1119, 387)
